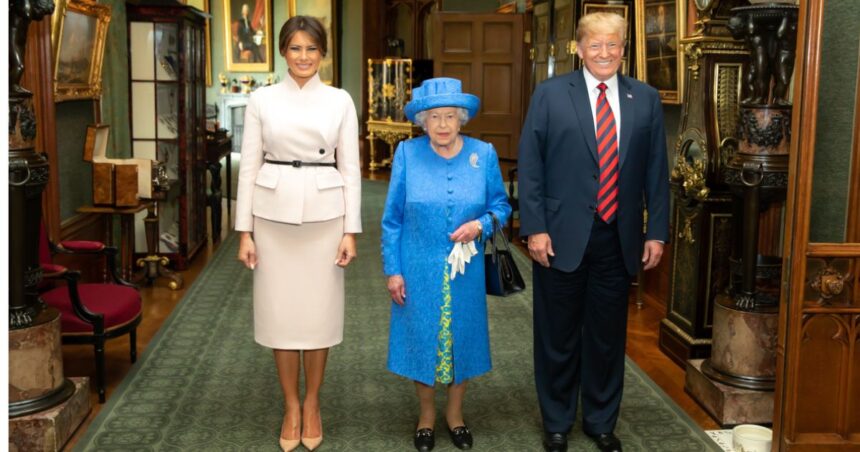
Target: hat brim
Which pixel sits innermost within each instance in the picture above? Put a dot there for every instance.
(463, 100)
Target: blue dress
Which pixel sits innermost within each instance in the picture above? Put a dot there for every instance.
(429, 197)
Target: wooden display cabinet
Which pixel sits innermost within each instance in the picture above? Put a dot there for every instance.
(167, 89)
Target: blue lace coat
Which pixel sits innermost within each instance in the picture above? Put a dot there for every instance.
(429, 197)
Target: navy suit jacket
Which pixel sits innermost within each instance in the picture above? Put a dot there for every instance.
(558, 169)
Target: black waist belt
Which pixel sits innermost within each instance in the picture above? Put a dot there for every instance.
(299, 163)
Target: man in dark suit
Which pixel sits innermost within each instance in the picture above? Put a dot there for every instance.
(592, 159)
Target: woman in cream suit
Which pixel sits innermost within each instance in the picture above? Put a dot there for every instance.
(298, 208)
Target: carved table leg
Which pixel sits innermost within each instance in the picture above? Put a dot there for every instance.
(153, 266)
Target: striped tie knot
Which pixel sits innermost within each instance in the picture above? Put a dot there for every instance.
(607, 154)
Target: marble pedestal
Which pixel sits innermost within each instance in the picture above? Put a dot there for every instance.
(49, 430)
(729, 405)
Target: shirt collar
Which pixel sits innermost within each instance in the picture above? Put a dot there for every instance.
(591, 82)
(311, 84)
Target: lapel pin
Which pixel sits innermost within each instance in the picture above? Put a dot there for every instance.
(629, 96)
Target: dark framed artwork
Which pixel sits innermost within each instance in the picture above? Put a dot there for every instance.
(79, 30)
(621, 10)
(660, 25)
(326, 12)
(248, 35)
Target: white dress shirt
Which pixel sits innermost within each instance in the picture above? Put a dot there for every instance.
(611, 96)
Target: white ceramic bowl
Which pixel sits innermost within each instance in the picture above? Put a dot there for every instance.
(751, 438)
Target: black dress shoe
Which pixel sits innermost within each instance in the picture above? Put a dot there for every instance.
(607, 442)
(461, 437)
(424, 440)
(555, 442)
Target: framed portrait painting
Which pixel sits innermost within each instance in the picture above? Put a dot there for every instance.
(326, 12)
(78, 33)
(660, 25)
(248, 35)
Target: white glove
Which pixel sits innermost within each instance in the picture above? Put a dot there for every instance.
(461, 254)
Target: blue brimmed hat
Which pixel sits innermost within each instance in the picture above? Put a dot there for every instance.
(441, 92)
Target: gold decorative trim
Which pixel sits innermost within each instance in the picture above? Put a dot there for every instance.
(693, 54)
(677, 330)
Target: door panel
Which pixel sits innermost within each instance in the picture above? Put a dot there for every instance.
(818, 355)
(485, 51)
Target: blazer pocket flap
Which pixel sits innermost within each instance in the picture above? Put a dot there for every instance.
(268, 176)
(552, 204)
(329, 180)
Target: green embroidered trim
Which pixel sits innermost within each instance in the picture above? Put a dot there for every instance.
(444, 353)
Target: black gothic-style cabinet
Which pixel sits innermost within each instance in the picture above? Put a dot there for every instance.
(702, 205)
(167, 90)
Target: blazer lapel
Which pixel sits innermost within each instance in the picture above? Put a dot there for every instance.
(579, 96)
(628, 119)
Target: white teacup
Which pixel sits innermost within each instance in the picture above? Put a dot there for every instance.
(751, 438)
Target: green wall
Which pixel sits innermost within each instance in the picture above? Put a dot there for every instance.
(837, 86)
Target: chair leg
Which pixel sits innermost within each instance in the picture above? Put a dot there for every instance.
(100, 367)
(132, 338)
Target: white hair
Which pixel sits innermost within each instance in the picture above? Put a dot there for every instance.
(421, 117)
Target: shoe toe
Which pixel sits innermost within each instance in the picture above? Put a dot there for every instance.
(461, 437)
(424, 440)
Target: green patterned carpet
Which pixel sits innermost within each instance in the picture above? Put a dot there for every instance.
(204, 385)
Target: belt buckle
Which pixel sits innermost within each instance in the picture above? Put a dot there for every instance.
(296, 163)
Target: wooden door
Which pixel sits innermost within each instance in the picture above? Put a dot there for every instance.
(485, 51)
(818, 353)
(564, 43)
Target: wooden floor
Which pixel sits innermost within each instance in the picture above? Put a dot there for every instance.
(159, 301)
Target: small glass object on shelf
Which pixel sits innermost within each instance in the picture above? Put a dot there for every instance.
(389, 90)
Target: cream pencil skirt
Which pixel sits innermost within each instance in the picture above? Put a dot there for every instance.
(298, 289)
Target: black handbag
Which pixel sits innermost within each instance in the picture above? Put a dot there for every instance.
(502, 275)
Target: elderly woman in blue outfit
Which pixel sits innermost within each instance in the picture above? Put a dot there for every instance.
(444, 190)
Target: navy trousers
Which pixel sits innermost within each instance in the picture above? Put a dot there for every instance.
(580, 329)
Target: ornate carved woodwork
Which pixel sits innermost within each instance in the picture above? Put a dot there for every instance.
(702, 220)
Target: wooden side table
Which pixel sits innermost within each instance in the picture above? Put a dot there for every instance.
(126, 228)
(153, 265)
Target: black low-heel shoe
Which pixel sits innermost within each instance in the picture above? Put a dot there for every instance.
(424, 440)
(461, 437)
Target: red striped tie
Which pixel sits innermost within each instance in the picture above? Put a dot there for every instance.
(607, 153)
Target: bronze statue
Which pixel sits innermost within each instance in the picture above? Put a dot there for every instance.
(21, 13)
(786, 36)
(770, 34)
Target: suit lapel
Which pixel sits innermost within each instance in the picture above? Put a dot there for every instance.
(628, 119)
(579, 96)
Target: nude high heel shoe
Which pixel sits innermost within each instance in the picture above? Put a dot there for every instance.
(289, 444)
(312, 443)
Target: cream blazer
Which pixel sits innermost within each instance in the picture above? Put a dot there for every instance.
(315, 123)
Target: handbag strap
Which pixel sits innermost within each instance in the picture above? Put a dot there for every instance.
(497, 229)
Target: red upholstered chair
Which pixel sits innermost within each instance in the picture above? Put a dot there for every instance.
(91, 313)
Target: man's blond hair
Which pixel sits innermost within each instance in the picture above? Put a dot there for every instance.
(597, 23)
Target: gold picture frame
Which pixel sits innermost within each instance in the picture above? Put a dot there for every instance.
(660, 27)
(248, 35)
(326, 12)
(78, 33)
